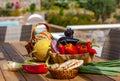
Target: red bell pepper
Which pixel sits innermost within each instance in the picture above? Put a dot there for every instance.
(70, 49)
(61, 49)
(82, 48)
(41, 68)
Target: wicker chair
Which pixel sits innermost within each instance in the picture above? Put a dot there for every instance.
(26, 32)
(111, 48)
(16, 33)
(2, 33)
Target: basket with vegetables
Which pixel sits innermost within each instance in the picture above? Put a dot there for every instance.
(68, 47)
(44, 34)
(38, 44)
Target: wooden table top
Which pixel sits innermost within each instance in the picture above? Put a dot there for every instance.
(17, 52)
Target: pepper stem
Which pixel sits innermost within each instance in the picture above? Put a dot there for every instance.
(30, 54)
(93, 40)
(94, 45)
(82, 42)
(65, 42)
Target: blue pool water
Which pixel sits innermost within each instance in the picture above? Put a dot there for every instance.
(13, 23)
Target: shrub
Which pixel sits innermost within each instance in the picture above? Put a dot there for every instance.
(5, 12)
(46, 5)
(69, 19)
(15, 13)
(8, 5)
(24, 10)
(32, 7)
(117, 16)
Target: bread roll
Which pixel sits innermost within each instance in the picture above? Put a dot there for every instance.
(44, 35)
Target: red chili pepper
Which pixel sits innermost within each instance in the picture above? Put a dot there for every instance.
(92, 51)
(61, 49)
(82, 48)
(70, 49)
(35, 68)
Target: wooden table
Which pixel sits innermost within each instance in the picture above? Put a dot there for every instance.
(17, 52)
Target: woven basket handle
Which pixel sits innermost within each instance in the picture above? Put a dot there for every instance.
(35, 27)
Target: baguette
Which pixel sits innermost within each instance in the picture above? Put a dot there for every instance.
(73, 62)
(66, 63)
(43, 35)
(54, 66)
(76, 65)
(47, 34)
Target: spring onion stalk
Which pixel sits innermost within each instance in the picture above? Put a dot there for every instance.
(15, 66)
(29, 62)
(85, 69)
(112, 63)
(112, 69)
(107, 68)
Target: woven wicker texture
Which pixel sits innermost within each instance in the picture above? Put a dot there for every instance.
(26, 32)
(60, 58)
(36, 37)
(63, 74)
(2, 33)
(15, 34)
(111, 48)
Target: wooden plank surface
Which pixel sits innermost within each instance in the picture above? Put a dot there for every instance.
(16, 52)
(8, 75)
(22, 51)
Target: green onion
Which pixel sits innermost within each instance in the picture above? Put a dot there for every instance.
(29, 62)
(85, 69)
(107, 68)
(112, 63)
(114, 69)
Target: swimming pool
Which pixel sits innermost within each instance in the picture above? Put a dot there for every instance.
(10, 23)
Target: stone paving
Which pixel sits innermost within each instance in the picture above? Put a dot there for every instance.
(87, 35)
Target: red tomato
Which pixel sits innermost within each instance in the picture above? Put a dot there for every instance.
(35, 68)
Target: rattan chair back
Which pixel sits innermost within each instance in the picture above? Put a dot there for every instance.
(15, 34)
(2, 33)
(111, 48)
(26, 32)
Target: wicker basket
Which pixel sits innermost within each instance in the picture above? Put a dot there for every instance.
(63, 74)
(60, 58)
(35, 37)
